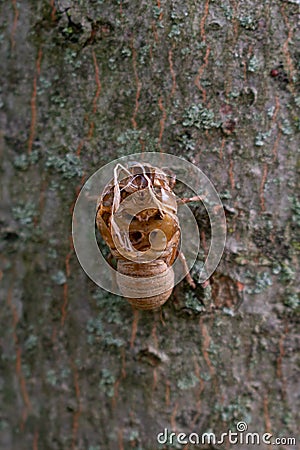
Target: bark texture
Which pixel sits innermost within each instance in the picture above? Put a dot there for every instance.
(82, 83)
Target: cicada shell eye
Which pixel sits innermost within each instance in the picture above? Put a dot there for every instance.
(158, 240)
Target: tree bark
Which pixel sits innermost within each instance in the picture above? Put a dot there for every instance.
(83, 83)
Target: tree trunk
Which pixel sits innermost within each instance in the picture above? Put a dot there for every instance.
(83, 83)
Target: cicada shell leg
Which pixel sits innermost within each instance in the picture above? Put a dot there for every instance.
(196, 198)
(188, 276)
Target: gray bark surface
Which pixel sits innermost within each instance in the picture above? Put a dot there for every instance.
(83, 83)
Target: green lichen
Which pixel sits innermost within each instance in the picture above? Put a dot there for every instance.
(69, 166)
(26, 370)
(113, 341)
(187, 143)
(228, 311)
(248, 22)
(177, 16)
(175, 31)
(3, 425)
(65, 373)
(276, 268)
(59, 278)
(261, 281)
(109, 307)
(130, 141)
(106, 383)
(31, 342)
(68, 31)
(295, 205)
(292, 301)
(235, 412)
(43, 86)
(228, 12)
(144, 53)
(25, 213)
(51, 253)
(286, 127)
(96, 325)
(271, 111)
(25, 160)
(200, 117)
(253, 64)
(192, 302)
(261, 138)
(70, 57)
(225, 195)
(156, 11)
(51, 377)
(187, 382)
(134, 435)
(94, 328)
(207, 298)
(185, 51)
(234, 94)
(112, 64)
(58, 101)
(287, 273)
(126, 52)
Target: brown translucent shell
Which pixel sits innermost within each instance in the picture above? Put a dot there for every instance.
(145, 230)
